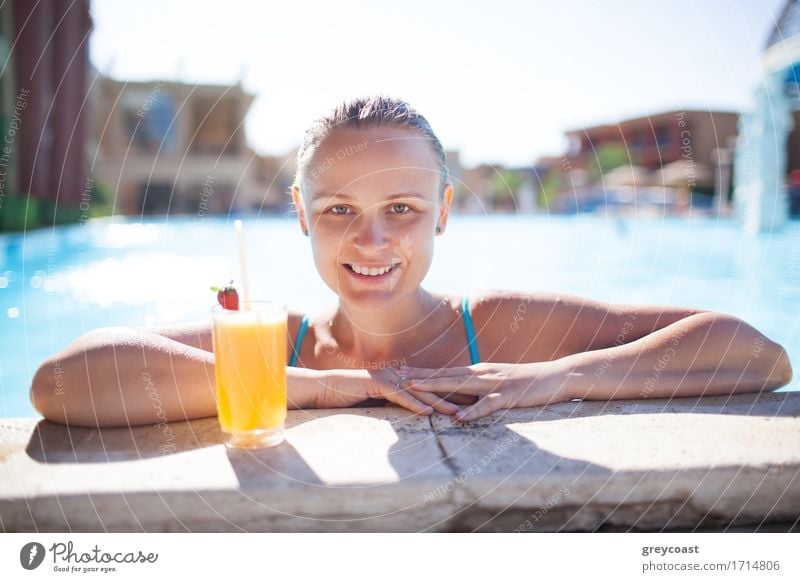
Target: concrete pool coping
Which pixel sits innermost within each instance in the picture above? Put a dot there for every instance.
(696, 464)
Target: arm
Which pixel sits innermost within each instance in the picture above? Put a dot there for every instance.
(125, 376)
(196, 334)
(336, 388)
(577, 348)
(609, 351)
(705, 354)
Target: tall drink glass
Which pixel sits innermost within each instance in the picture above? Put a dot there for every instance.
(250, 369)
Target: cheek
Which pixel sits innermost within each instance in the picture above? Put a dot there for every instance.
(418, 255)
(330, 230)
(328, 253)
(324, 252)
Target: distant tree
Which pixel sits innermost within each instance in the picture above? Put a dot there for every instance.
(607, 157)
(551, 185)
(505, 187)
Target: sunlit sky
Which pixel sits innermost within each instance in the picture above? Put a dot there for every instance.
(500, 81)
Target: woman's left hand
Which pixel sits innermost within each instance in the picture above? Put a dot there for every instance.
(497, 385)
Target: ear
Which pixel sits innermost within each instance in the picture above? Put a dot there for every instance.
(297, 198)
(445, 208)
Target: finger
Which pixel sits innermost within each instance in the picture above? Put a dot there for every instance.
(437, 403)
(457, 398)
(406, 400)
(425, 373)
(484, 406)
(397, 395)
(465, 384)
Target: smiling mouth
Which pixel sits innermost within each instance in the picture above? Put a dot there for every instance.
(371, 273)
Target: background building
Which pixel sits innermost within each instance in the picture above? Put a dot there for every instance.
(43, 109)
(653, 142)
(668, 162)
(167, 147)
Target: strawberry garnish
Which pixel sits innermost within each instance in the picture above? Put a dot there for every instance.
(227, 296)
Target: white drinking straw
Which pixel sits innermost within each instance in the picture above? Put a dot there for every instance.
(237, 224)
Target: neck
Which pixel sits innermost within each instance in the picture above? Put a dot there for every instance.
(381, 338)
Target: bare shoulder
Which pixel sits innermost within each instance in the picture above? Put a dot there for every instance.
(539, 326)
(198, 333)
(504, 321)
(512, 307)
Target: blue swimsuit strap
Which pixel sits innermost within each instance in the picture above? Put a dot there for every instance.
(473, 343)
(301, 333)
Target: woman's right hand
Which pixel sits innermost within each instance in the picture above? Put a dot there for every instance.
(347, 387)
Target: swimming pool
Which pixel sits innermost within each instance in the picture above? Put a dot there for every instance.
(58, 283)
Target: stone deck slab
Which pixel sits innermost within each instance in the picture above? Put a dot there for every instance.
(683, 464)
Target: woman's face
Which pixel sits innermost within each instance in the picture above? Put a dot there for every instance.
(372, 204)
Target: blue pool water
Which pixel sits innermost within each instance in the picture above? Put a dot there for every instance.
(58, 283)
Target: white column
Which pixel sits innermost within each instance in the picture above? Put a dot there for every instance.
(760, 168)
(722, 159)
(526, 198)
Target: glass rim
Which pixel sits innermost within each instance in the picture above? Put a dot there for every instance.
(263, 305)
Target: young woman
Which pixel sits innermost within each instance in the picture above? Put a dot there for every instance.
(372, 193)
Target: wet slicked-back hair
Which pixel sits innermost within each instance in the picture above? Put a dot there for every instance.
(364, 112)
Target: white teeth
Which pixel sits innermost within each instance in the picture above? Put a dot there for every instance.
(373, 272)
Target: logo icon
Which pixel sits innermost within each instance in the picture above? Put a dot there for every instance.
(31, 555)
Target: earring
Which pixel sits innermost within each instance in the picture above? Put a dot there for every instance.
(438, 230)
(305, 232)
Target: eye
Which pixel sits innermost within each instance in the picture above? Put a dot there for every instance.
(401, 208)
(333, 209)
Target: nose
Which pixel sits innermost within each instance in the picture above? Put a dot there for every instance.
(370, 235)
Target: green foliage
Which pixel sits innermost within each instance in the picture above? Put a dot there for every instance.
(22, 212)
(551, 186)
(506, 185)
(19, 213)
(102, 199)
(607, 157)
(55, 214)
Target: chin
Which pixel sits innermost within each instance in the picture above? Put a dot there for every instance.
(365, 302)
(369, 293)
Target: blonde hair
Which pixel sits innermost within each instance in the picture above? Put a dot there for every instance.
(366, 112)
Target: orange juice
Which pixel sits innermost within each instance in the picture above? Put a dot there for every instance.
(250, 369)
